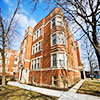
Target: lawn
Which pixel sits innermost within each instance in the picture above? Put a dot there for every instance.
(90, 87)
(15, 93)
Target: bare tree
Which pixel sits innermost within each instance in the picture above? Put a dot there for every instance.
(88, 55)
(85, 14)
(7, 29)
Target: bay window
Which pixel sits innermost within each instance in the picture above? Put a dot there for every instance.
(53, 39)
(53, 22)
(61, 59)
(59, 20)
(54, 59)
(66, 60)
(60, 38)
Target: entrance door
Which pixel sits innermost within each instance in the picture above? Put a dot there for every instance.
(82, 76)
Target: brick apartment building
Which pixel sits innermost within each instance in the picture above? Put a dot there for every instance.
(11, 62)
(48, 55)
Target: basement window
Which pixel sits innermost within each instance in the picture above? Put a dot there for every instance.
(54, 80)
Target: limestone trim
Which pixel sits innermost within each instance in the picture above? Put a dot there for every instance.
(46, 69)
(26, 60)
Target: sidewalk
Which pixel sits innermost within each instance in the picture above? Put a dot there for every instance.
(76, 87)
(61, 94)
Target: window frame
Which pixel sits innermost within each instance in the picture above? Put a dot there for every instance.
(54, 80)
(54, 65)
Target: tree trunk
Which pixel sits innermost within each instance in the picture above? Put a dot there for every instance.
(3, 69)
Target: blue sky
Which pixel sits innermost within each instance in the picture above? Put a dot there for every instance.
(26, 17)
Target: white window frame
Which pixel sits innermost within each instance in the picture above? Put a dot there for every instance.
(56, 24)
(61, 60)
(52, 60)
(7, 62)
(37, 47)
(37, 34)
(58, 32)
(57, 53)
(53, 80)
(36, 59)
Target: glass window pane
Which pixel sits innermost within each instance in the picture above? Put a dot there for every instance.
(40, 45)
(61, 60)
(40, 31)
(66, 60)
(54, 60)
(60, 38)
(53, 22)
(53, 39)
(38, 63)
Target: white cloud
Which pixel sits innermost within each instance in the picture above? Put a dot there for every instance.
(24, 22)
(6, 1)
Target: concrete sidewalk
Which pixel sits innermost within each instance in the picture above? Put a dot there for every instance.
(61, 94)
(76, 87)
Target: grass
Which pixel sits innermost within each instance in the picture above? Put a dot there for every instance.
(90, 87)
(15, 93)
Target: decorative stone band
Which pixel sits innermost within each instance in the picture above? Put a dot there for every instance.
(46, 69)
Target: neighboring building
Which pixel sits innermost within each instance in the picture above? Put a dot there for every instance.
(48, 53)
(11, 62)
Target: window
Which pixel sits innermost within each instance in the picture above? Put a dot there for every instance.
(66, 60)
(61, 60)
(6, 69)
(40, 31)
(7, 62)
(54, 80)
(15, 65)
(54, 56)
(16, 59)
(36, 47)
(63, 81)
(38, 64)
(60, 38)
(35, 64)
(6, 54)
(59, 20)
(34, 37)
(37, 34)
(65, 40)
(26, 70)
(53, 39)
(33, 50)
(39, 45)
(53, 22)
(32, 63)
